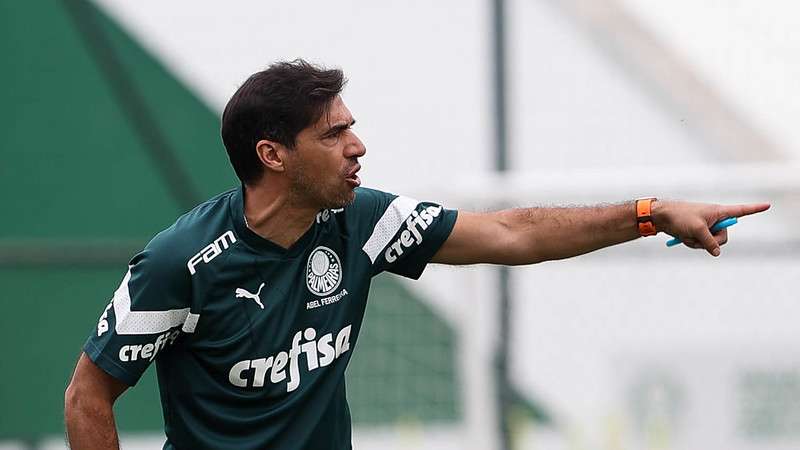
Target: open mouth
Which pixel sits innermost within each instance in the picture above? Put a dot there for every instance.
(352, 176)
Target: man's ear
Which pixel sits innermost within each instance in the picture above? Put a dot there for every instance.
(269, 154)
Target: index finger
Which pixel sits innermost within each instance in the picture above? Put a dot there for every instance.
(744, 210)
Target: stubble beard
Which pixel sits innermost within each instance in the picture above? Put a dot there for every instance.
(307, 191)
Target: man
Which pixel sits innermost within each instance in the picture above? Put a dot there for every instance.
(251, 303)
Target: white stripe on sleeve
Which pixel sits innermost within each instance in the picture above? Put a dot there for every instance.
(147, 322)
(388, 225)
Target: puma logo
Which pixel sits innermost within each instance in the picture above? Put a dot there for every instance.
(244, 293)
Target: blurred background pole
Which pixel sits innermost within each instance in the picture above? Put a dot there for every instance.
(502, 382)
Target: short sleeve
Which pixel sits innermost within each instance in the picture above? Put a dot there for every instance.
(401, 234)
(147, 314)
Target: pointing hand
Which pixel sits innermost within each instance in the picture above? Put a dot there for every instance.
(690, 222)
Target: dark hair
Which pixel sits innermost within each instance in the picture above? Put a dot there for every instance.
(275, 104)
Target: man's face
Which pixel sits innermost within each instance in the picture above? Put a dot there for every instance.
(322, 167)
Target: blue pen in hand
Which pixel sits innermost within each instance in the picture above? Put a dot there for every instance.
(724, 223)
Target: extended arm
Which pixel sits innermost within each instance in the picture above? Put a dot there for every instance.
(88, 407)
(532, 235)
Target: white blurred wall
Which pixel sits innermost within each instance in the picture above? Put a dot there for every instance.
(746, 49)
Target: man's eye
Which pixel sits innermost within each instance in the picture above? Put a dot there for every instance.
(336, 134)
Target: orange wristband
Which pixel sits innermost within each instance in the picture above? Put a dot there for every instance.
(644, 218)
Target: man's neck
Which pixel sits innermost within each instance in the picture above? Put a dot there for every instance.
(275, 215)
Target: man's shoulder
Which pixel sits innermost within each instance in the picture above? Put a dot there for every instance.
(192, 231)
(371, 193)
(376, 203)
(212, 212)
(368, 200)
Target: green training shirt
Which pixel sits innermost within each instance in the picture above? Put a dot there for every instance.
(251, 340)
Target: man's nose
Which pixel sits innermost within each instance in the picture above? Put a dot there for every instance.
(355, 148)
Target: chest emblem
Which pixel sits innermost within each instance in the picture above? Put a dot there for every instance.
(323, 271)
(244, 293)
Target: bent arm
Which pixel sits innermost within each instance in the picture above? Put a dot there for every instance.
(88, 407)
